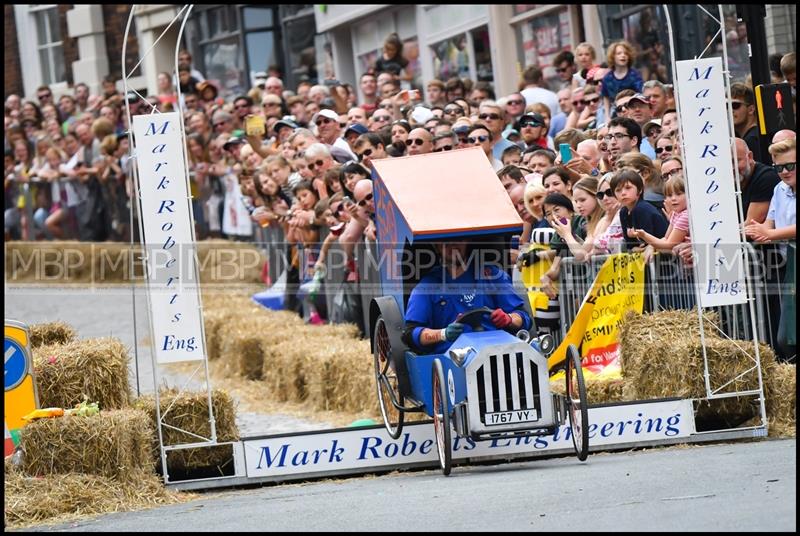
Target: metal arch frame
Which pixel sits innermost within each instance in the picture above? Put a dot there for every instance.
(184, 12)
(712, 394)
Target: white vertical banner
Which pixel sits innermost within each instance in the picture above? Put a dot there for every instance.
(710, 188)
(166, 221)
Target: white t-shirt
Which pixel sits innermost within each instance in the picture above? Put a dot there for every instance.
(540, 94)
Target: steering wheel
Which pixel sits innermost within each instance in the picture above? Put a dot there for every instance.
(473, 317)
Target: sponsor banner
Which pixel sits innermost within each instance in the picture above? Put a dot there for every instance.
(372, 448)
(710, 188)
(617, 289)
(165, 205)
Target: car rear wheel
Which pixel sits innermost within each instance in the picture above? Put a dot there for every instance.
(577, 403)
(386, 380)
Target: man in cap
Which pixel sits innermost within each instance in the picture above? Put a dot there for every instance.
(352, 132)
(533, 130)
(637, 107)
(329, 133)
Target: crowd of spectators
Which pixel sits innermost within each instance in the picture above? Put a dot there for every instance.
(593, 166)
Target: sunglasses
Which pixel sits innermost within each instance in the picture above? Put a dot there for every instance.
(338, 210)
(417, 142)
(590, 101)
(44, 96)
(736, 105)
(605, 193)
(381, 118)
(622, 107)
(674, 172)
(668, 148)
(454, 110)
(481, 139)
(780, 168)
(562, 69)
(578, 102)
(531, 124)
(450, 148)
(515, 102)
(363, 202)
(324, 120)
(493, 117)
(318, 163)
(365, 153)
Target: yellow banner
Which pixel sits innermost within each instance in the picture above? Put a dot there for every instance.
(618, 288)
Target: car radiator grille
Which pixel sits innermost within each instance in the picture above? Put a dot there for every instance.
(507, 382)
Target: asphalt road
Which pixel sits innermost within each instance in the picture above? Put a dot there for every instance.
(742, 486)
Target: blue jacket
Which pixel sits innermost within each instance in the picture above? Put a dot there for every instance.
(438, 299)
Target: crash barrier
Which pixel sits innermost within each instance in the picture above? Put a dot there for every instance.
(669, 284)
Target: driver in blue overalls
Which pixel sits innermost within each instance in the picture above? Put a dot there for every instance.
(452, 288)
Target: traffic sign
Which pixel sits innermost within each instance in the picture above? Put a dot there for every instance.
(20, 393)
(16, 364)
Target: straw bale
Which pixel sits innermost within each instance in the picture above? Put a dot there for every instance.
(111, 443)
(188, 411)
(51, 333)
(600, 391)
(340, 376)
(780, 394)
(212, 322)
(60, 498)
(94, 369)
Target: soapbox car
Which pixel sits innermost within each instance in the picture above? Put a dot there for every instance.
(488, 383)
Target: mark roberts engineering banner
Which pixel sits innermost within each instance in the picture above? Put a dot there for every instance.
(365, 448)
(710, 188)
(165, 204)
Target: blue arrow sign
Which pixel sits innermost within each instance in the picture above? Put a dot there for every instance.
(16, 364)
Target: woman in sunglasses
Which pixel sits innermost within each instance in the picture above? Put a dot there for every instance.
(665, 147)
(609, 238)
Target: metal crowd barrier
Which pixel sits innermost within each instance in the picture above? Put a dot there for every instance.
(669, 285)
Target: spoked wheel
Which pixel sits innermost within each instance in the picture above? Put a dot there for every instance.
(387, 381)
(576, 401)
(441, 417)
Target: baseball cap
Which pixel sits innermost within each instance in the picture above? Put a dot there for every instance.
(535, 119)
(234, 140)
(260, 79)
(650, 124)
(421, 114)
(356, 127)
(325, 112)
(640, 98)
(285, 121)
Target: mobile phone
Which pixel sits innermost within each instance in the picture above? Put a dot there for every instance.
(515, 242)
(566, 154)
(332, 83)
(254, 125)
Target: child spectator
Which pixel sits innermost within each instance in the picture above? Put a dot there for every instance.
(636, 213)
(621, 56)
(678, 230)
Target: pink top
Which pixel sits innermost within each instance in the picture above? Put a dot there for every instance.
(680, 220)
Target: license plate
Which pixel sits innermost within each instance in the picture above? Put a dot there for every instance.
(511, 417)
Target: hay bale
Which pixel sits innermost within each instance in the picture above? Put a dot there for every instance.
(189, 411)
(680, 372)
(93, 369)
(51, 333)
(113, 444)
(58, 498)
(600, 391)
(780, 394)
(340, 376)
(213, 321)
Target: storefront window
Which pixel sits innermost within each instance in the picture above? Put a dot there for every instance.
(413, 69)
(483, 55)
(222, 60)
(541, 38)
(641, 29)
(451, 58)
